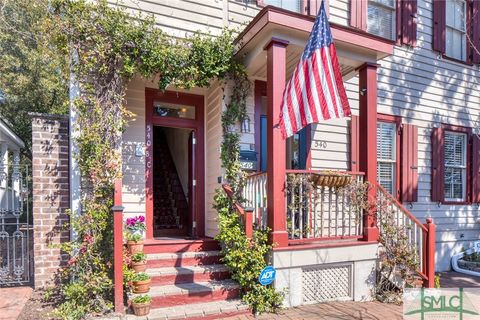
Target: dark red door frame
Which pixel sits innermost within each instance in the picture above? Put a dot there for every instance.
(197, 125)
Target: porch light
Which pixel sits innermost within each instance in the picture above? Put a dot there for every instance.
(246, 125)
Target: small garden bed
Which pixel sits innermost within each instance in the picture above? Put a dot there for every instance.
(470, 262)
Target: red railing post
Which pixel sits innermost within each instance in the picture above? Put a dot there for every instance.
(248, 222)
(429, 261)
(117, 210)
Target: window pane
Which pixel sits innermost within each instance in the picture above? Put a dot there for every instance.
(173, 110)
(292, 5)
(454, 178)
(385, 176)
(454, 149)
(386, 141)
(381, 20)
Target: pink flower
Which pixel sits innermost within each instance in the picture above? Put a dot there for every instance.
(141, 218)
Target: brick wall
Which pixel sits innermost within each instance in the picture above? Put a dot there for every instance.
(50, 194)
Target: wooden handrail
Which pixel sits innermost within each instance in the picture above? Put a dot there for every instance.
(401, 207)
(246, 215)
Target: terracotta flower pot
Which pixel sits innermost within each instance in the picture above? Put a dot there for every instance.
(139, 266)
(141, 286)
(135, 246)
(141, 309)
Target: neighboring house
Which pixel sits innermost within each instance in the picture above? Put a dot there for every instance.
(412, 78)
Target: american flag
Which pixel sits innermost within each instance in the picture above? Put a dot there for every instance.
(315, 92)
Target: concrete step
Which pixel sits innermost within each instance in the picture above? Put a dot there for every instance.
(206, 310)
(180, 259)
(187, 274)
(186, 293)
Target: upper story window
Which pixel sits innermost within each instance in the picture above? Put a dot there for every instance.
(292, 5)
(386, 156)
(455, 29)
(381, 18)
(455, 159)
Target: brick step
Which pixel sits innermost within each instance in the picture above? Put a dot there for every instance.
(206, 310)
(188, 274)
(182, 259)
(184, 293)
(180, 245)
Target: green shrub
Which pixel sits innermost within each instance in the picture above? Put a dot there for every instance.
(144, 298)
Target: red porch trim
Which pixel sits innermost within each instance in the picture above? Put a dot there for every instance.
(276, 161)
(429, 262)
(368, 140)
(260, 91)
(322, 245)
(117, 210)
(197, 125)
(301, 22)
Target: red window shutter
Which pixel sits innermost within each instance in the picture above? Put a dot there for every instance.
(476, 31)
(358, 14)
(438, 152)
(438, 36)
(354, 147)
(408, 22)
(476, 169)
(409, 163)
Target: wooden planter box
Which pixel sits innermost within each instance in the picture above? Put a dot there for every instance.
(331, 179)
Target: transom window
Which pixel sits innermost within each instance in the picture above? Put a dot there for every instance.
(381, 18)
(455, 166)
(456, 40)
(292, 5)
(386, 155)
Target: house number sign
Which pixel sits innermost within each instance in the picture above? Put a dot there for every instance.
(321, 144)
(148, 139)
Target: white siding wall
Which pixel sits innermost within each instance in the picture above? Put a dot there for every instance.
(413, 83)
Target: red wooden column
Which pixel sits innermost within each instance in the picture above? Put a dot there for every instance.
(117, 210)
(429, 260)
(276, 160)
(368, 140)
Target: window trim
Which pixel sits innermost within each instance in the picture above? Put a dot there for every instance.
(394, 9)
(463, 32)
(463, 166)
(468, 193)
(305, 6)
(397, 120)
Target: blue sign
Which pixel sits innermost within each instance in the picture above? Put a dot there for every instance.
(267, 275)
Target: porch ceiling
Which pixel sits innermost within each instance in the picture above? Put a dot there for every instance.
(353, 48)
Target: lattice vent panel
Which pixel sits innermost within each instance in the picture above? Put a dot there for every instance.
(327, 283)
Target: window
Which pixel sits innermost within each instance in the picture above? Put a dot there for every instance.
(386, 156)
(381, 18)
(455, 159)
(455, 29)
(292, 5)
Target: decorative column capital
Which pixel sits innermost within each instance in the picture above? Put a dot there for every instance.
(276, 42)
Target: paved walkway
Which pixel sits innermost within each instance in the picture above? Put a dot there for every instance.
(12, 301)
(334, 311)
(452, 279)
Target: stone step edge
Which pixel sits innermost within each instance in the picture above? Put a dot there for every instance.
(194, 310)
(182, 255)
(201, 269)
(210, 286)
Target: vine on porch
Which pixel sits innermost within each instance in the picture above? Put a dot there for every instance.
(108, 47)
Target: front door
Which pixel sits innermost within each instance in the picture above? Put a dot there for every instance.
(174, 164)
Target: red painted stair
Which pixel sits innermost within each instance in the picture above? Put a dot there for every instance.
(189, 281)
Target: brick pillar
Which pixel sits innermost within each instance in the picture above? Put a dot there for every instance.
(50, 174)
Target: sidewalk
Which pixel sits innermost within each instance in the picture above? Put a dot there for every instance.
(12, 301)
(334, 311)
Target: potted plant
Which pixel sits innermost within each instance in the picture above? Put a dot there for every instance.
(141, 283)
(141, 305)
(139, 262)
(135, 227)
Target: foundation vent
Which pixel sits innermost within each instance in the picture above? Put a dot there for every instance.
(327, 283)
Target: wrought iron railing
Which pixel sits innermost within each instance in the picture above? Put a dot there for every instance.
(16, 239)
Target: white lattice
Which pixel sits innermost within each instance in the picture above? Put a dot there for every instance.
(327, 283)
